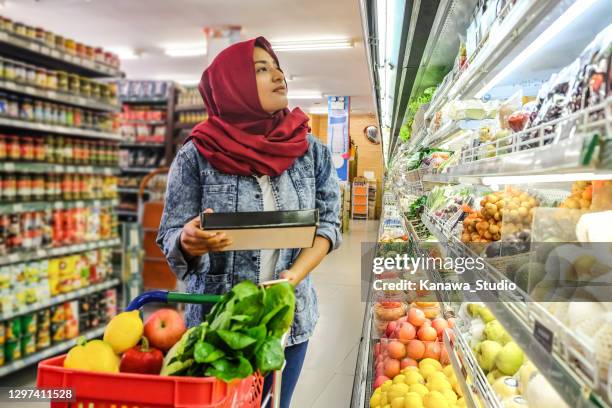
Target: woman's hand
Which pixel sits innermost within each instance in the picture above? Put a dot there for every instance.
(197, 242)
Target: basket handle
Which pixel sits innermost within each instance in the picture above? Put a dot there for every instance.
(163, 296)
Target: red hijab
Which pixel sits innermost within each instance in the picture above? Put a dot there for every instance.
(239, 137)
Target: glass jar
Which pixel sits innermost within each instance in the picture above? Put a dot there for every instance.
(20, 29)
(80, 50)
(50, 156)
(12, 106)
(24, 187)
(67, 187)
(62, 81)
(59, 149)
(89, 53)
(70, 116)
(77, 152)
(70, 46)
(3, 104)
(31, 32)
(104, 94)
(62, 115)
(40, 34)
(47, 113)
(50, 39)
(41, 77)
(38, 187)
(39, 111)
(30, 73)
(27, 148)
(27, 110)
(85, 87)
(99, 55)
(52, 80)
(9, 70)
(74, 83)
(13, 149)
(78, 117)
(20, 72)
(39, 149)
(10, 187)
(2, 61)
(59, 42)
(50, 187)
(2, 148)
(69, 155)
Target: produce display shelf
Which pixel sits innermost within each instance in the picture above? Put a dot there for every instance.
(8, 368)
(128, 213)
(443, 134)
(518, 24)
(38, 52)
(143, 122)
(145, 100)
(62, 130)
(137, 169)
(65, 297)
(183, 108)
(57, 96)
(571, 373)
(11, 208)
(361, 383)
(19, 167)
(44, 253)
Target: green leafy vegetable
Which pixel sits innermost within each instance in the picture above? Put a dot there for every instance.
(241, 334)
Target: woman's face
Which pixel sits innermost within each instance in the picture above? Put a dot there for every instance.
(270, 82)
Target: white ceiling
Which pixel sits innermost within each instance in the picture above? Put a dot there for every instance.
(149, 25)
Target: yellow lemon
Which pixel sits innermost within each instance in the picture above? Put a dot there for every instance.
(414, 377)
(437, 375)
(400, 378)
(419, 389)
(427, 370)
(386, 385)
(375, 400)
(124, 331)
(461, 403)
(448, 371)
(430, 361)
(397, 402)
(435, 399)
(450, 396)
(439, 385)
(397, 390)
(409, 369)
(383, 399)
(457, 389)
(413, 400)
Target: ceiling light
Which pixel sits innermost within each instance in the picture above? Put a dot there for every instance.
(544, 178)
(314, 45)
(186, 50)
(125, 53)
(551, 32)
(304, 96)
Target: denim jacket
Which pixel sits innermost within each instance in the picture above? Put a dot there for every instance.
(194, 185)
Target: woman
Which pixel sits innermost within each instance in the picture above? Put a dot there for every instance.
(252, 154)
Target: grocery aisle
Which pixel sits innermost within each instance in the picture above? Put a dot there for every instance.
(327, 376)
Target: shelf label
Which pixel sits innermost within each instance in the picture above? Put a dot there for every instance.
(45, 50)
(70, 169)
(87, 63)
(3, 36)
(58, 205)
(13, 257)
(52, 94)
(41, 253)
(543, 335)
(88, 169)
(58, 168)
(35, 47)
(56, 54)
(30, 90)
(79, 204)
(9, 166)
(18, 207)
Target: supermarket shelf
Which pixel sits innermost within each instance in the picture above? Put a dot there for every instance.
(11, 208)
(443, 134)
(130, 122)
(61, 299)
(519, 23)
(39, 53)
(144, 101)
(185, 125)
(131, 190)
(49, 352)
(137, 169)
(183, 108)
(17, 167)
(142, 145)
(45, 253)
(62, 130)
(127, 213)
(573, 377)
(58, 96)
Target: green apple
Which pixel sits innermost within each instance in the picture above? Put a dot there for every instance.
(487, 354)
(493, 376)
(473, 309)
(496, 332)
(509, 359)
(486, 315)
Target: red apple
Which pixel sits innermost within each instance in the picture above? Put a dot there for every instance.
(392, 368)
(380, 380)
(390, 328)
(427, 333)
(402, 319)
(376, 350)
(396, 350)
(164, 328)
(415, 349)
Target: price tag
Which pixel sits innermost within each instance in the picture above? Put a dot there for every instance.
(79, 204)
(9, 166)
(45, 50)
(87, 63)
(3, 36)
(56, 54)
(41, 253)
(13, 257)
(18, 207)
(544, 336)
(35, 47)
(70, 169)
(52, 94)
(88, 169)
(30, 90)
(58, 205)
(9, 85)
(58, 168)
(81, 101)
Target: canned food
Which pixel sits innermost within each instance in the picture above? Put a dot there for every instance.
(58, 332)
(28, 323)
(28, 345)
(43, 319)
(13, 329)
(43, 338)
(2, 334)
(12, 350)
(1, 354)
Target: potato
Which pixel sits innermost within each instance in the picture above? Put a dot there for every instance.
(492, 198)
(523, 211)
(488, 235)
(500, 204)
(483, 202)
(465, 237)
(514, 215)
(525, 204)
(497, 216)
(493, 229)
(496, 237)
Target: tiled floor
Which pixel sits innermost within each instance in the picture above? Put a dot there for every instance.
(327, 377)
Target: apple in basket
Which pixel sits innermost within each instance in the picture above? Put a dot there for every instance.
(164, 328)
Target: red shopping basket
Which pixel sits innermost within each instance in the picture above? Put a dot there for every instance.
(107, 390)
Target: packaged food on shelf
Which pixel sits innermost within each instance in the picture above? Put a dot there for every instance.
(143, 90)
(189, 97)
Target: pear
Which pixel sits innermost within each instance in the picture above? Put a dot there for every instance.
(486, 315)
(509, 359)
(473, 309)
(496, 332)
(487, 354)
